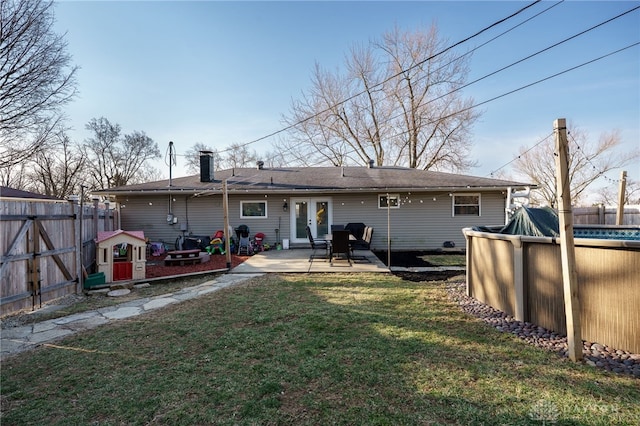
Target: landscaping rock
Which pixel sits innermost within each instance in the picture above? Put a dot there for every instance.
(595, 354)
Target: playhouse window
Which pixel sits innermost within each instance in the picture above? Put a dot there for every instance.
(466, 205)
(253, 209)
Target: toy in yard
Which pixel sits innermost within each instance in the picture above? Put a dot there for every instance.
(157, 248)
(258, 241)
(244, 242)
(217, 243)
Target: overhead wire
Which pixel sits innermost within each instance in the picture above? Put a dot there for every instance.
(520, 61)
(477, 80)
(391, 77)
(599, 171)
(470, 83)
(529, 85)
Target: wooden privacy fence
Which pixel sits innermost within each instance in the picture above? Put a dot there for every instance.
(41, 259)
(602, 215)
(522, 276)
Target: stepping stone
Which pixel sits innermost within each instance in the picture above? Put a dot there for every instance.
(119, 292)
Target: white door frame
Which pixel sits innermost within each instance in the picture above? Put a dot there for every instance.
(299, 235)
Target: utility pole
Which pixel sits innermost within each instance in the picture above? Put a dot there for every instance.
(621, 191)
(567, 248)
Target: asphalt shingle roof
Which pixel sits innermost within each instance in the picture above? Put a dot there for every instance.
(7, 192)
(319, 179)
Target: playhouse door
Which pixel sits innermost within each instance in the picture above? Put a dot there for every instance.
(122, 271)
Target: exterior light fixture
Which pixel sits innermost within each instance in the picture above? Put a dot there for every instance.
(285, 206)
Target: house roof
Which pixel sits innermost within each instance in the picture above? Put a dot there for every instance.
(317, 180)
(6, 192)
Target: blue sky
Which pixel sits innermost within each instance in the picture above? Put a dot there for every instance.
(224, 72)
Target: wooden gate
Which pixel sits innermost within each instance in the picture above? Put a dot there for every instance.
(39, 253)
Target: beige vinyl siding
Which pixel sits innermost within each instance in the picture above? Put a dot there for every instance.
(202, 215)
(421, 223)
(136, 214)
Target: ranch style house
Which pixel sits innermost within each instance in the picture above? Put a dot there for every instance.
(417, 209)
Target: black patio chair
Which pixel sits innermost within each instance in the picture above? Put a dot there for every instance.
(340, 245)
(356, 229)
(362, 244)
(317, 244)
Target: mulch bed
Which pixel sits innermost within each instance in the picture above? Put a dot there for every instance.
(155, 267)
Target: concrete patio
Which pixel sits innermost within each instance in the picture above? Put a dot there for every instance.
(297, 260)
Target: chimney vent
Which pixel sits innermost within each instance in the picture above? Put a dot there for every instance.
(206, 166)
(371, 164)
(260, 165)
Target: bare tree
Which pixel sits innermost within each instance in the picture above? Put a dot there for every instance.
(238, 155)
(397, 103)
(114, 160)
(15, 176)
(609, 195)
(192, 157)
(588, 160)
(36, 78)
(60, 172)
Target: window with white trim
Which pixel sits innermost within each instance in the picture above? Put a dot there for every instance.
(393, 201)
(466, 205)
(253, 209)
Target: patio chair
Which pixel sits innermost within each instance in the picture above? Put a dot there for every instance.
(340, 245)
(317, 244)
(356, 229)
(362, 244)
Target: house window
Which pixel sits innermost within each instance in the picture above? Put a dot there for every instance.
(253, 209)
(466, 205)
(388, 200)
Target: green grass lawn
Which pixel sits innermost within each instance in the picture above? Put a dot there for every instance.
(445, 259)
(310, 350)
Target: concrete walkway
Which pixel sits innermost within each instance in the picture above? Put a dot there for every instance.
(19, 339)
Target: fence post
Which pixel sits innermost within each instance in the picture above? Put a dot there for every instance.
(74, 202)
(518, 278)
(567, 248)
(621, 191)
(107, 216)
(96, 215)
(468, 263)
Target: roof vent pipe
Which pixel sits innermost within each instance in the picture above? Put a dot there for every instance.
(371, 164)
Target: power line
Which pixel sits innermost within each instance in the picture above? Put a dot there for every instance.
(473, 82)
(529, 85)
(389, 78)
